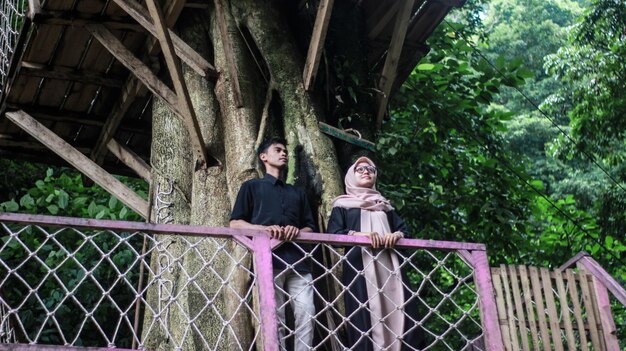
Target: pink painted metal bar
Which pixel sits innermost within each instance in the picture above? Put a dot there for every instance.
(267, 303)
(27, 347)
(223, 232)
(488, 310)
(606, 316)
(597, 271)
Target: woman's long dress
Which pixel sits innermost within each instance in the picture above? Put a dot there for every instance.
(359, 329)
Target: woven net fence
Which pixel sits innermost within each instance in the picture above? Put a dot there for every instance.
(12, 13)
(132, 289)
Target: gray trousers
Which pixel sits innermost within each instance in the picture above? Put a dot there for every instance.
(297, 288)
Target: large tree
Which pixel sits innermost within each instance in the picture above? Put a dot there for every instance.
(268, 57)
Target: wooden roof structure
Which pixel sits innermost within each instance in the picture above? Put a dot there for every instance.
(80, 78)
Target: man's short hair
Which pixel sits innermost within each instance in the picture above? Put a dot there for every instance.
(269, 142)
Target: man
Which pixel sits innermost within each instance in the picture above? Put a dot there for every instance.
(283, 211)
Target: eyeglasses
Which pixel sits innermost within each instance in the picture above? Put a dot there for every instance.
(362, 169)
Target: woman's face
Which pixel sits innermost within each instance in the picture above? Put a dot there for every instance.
(365, 175)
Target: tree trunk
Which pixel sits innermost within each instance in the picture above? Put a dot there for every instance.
(269, 67)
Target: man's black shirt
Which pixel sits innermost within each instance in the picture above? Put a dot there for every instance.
(269, 201)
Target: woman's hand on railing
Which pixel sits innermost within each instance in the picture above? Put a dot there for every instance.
(390, 239)
(375, 238)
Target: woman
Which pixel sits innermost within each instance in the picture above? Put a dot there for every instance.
(377, 307)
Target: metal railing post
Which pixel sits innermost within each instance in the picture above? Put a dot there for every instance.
(265, 280)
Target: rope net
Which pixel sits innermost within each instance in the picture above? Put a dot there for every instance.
(114, 288)
(12, 14)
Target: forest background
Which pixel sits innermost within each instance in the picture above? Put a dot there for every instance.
(510, 132)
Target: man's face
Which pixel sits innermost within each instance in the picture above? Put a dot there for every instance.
(275, 156)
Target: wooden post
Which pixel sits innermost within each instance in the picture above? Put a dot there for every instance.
(317, 42)
(389, 72)
(129, 158)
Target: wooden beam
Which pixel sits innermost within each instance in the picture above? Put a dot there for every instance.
(393, 56)
(347, 137)
(184, 51)
(80, 19)
(131, 90)
(176, 73)
(134, 65)
(67, 73)
(228, 52)
(8, 141)
(317, 42)
(131, 159)
(64, 116)
(80, 161)
(382, 21)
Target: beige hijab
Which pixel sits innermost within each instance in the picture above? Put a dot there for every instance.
(381, 267)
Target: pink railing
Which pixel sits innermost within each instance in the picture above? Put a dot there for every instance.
(113, 284)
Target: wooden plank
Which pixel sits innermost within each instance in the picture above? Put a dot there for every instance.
(131, 90)
(519, 307)
(509, 311)
(176, 73)
(565, 313)
(67, 73)
(134, 65)
(390, 68)
(593, 267)
(530, 313)
(553, 316)
(594, 327)
(541, 315)
(347, 137)
(7, 141)
(228, 53)
(502, 321)
(64, 116)
(131, 159)
(317, 43)
(80, 19)
(578, 315)
(188, 55)
(81, 162)
(382, 21)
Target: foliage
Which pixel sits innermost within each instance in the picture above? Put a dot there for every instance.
(77, 260)
(460, 167)
(443, 161)
(527, 31)
(66, 195)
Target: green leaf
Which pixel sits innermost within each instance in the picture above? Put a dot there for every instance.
(91, 210)
(101, 214)
(10, 206)
(425, 67)
(40, 185)
(27, 201)
(500, 62)
(524, 73)
(123, 212)
(112, 202)
(54, 209)
(63, 199)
